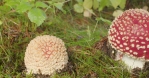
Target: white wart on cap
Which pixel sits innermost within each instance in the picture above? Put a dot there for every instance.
(129, 33)
(45, 55)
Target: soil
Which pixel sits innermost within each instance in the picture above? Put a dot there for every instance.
(105, 47)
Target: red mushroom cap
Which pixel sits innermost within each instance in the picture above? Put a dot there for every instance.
(129, 33)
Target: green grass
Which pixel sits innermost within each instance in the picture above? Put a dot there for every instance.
(79, 35)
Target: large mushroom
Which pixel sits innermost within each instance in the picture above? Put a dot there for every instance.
(129, 35)
(45, 55)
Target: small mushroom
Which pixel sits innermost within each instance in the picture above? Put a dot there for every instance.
(45, 55)
(145, 7)
(87, 13)
(129, 35)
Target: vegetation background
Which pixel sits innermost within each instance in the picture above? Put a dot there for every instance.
(79, 23)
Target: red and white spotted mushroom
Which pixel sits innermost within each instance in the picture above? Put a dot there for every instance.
(45, 55)
(129, 35)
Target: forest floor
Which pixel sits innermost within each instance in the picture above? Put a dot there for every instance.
(82, 36)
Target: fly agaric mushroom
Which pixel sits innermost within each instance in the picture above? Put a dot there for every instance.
(45, 55)
(129, 35)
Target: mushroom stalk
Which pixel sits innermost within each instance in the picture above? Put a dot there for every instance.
(129, 61)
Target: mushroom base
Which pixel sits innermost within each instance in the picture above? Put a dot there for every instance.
(129, 61)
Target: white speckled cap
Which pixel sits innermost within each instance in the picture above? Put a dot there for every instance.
(45, 55)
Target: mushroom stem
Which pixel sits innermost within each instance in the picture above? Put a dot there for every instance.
(129, 61)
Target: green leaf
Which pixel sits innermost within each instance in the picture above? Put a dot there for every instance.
(37, 16)
(87, 4)
(57, 1)
(115, 3)
(23, 7)
(103, 3)
(78, 8)
(122, 4)
(95, 4)
(60, 6)
(79, 1)
(41, 4)
(30, 0)
(11, 3)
